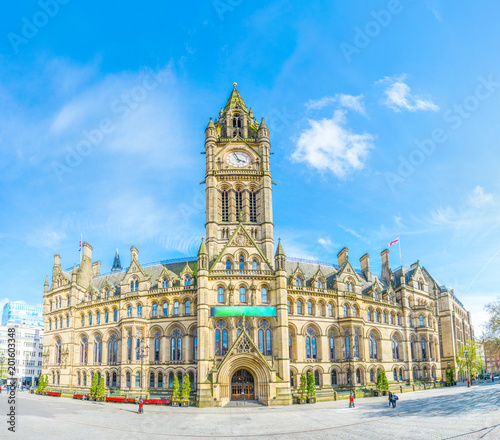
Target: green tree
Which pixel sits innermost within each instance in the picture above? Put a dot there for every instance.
(382, 382)
(303, 385)
(469, 360)
(3, 369)
(101, 390)
(186, 388)
(175, 389)
(94, 386)
(450, 375)
(311, 386)
(492, 328)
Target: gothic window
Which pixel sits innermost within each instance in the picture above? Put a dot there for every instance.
(176, 345)
(420, 285)
(97, 318)
(372, 375)
(354, 311)
(134, 285)
(264, 334)
(298, 282)
(129, 312)
(228, 265)
(391, 318)
(155, 310)
(84, 351)
(372, 346)
(395, 347)
(187, 307)
(241, 262)
(225, 206)
(157, 347)
(254, 265)
(84, 379)
(309, 307)
(55, 322)
(356, 346)
(114, 379)
(395, 374)
(67, 321)
(410, 321)
(391, 298)
(290, 346)
(58, 352)
(331, 344)
(412, 348)
(239, 203)
(90, 319)
(263, 295)
(316, 378)
(400, 374)
(90, 296)
(253, 207)
(220, 294)
(311, 344)
(106, 293)
(289, 306)
(164, 283)
(376, 294)
(349, 287)
(358, 376)
(221, 338)
(421, 321)
(69, 301)
(347, 346)
(112, 349)
(384, 317)
(115, 315)
(424, 351)
(299, 307)
(195, 345)
(127, 379)
(165, 309)
(129, 348)
(377, 316)
(176, 308)
(346, 311)
(330, 309)
(151, 380)
(138, 349)
(106, 316)
(98, 350)
(320, 283)
(369, 314)
(398, 320)
(187, 280)
(292, 379)
(243, 295)
(334, 377)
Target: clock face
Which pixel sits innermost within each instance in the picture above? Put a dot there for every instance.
(238, 159)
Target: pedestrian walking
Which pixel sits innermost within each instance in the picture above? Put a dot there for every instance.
(141, 406)
(390, 398)
(351, 400)
(394, 399)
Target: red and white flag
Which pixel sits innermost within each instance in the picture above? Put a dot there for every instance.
(394, 242)
(79, 250)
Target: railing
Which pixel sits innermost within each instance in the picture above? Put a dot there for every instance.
(233, 272)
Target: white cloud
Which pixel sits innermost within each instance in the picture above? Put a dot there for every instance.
(433, 6)
(328, 145)
(349, 102)
(479, 198)
(325, 241)
(399, 97)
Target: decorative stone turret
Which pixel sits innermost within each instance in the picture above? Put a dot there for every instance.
(263, 130)
(279, 257)
(134, 254)
(210, 131)
(117, 265)
(202, 256)
(46, 285)
(343, 257)
(386, 265)
(365, 266)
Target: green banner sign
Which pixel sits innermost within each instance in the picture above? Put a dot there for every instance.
(243, 310)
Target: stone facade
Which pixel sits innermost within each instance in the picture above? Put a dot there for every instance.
(240, 319)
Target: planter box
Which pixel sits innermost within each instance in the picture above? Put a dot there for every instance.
(311, 400)
(184, 403)
(176, 403)
(302, 401)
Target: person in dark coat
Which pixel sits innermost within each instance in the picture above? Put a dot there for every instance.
(390, 398)
(394, 399)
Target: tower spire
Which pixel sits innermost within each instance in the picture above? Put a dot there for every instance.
(117, 266)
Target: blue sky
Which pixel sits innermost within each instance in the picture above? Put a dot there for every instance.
(383, 122)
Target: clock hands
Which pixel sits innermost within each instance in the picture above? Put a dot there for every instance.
(236, 157)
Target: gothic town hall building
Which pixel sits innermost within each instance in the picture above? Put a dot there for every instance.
(242, 320)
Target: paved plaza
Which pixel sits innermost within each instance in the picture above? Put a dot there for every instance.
(448, 413)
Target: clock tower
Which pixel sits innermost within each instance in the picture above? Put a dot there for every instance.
(238, 178)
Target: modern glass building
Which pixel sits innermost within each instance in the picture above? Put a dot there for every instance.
(18, 312)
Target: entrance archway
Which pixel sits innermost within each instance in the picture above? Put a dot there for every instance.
(242, 385)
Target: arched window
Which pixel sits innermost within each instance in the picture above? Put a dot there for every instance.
(299, 307)
(225, 206)
(113, 382)
(369, 314)
(220, 294)
(90, 319)
(309, 307)
(410, 321)
(331, 345)
(84, 351)
(61, 322)
(137, 380)
(334, 377)
(377, 316)
(160, 380)
(67, 321)
(98, 350)
(176, 308)
(138, 349)
(330, 309)
(228, 265)
(356, 346)
(395, 374)
(164, 283)
(58, 352)
(376, 294)
(165, 309)
(372, 375)
(84, 379)
(398, 320)
(55, 323)
(221, 338)
(151, 380)
(400, 374)
(290, 346)
(421, 321)
(384, 317)
(412, 348)
(243, 295)
(354, 311)
(157, 347)
(129, 312)
(155, 310)
(187, 307)
(395, 347)
(254, 265)
(316, 378)
(139, 310)
(289, 306)
(346, 311)
(134, 285)
(292, 379)
(187, 280)
(176, 345)
(83, 322)
(391, 318)
(298, 282)
(263, 295)
(311, 344)
(347, 346)
(115, 315)
(424, 351)
(106, 316)
(195, 345)
(127, 379)
(372, 346)
(241, 262)
(129, 348)
(358, 376)
(112, 350)
(264, 334)
(320, 283)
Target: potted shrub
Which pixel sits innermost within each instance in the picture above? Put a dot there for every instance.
(101, 391)
(311, 388)
(302, 389)
(186, 389)
(382, 382)
(176, 392)
(93, 387)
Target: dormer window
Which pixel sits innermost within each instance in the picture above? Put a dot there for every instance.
(420, 284)
(298, 282)
(134, 285)
(106, 293)
(164, 282)
(187, 280)
(320, 283)
(349, 286)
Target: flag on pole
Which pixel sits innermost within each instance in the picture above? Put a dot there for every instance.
(394, 242)
(80, 249)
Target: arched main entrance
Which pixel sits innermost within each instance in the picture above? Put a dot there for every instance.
(242, 385)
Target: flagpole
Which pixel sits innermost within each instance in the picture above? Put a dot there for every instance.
(81, 247)
(400, 259)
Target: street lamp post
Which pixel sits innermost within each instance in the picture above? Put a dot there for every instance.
(467, 365)
(143, 352)
(2, 360)
(347, 354)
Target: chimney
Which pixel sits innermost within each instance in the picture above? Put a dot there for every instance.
(343, 257)
(386, 265)
(134, 254)
(87, 251)
(57, 260)
(365, 266)
(96, 269)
